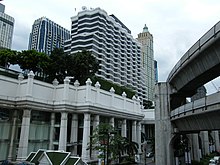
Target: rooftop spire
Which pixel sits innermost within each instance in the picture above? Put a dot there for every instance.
(145, 29)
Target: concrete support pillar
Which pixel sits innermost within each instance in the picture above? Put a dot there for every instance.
(86, 137)
(205, 142)
(163, 128)
(13, 131)
(74, 133)
(63, 131)
(195, 147)
(52, 123)
(216, 137)
(24, 135)
(112, 121)
(139, 136)
(124, 128)
(134, 131)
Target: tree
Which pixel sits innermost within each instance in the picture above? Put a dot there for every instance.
(84, 65)
(7, 57)
(33, 60)
(60, 65)
(80, 65)
(148, 104)
(107, 140)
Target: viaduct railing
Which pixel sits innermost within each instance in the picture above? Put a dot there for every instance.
(206, 104)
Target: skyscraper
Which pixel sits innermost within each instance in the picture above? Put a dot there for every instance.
(111, 42)
(6, 28)
(147, 54)
(47, 35)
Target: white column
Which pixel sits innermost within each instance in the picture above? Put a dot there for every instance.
(124, 128)
(139, 136)
(88, 90)
(86, 137)
(97, 86)
(20, 79)
(55, 84)
(112, 122)
(76, 84)
(205, 142)
(66, 89)
(134, 103)
(24, 135)
(14, 126)
(112, 91)
(63, 131)
(124, 95)
(95, 124)
(134, 131)
(30, 83)
(74, 133)
(95, 121)
(217, 144)
(143, 128)
(52, 123)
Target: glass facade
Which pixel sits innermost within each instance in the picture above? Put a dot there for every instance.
(47, 35)
(6, 28)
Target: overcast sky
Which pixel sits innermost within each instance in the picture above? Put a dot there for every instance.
(175, 24)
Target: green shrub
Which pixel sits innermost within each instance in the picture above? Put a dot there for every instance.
(106, 85)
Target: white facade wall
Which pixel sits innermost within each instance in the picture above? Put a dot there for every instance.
(33, 97)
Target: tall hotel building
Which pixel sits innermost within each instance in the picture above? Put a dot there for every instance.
(147, 56)
(6, 28)
(111, 42)
(47, 35)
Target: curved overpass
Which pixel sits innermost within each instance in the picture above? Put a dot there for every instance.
(173, 115)
(199, 115)
(199, 65)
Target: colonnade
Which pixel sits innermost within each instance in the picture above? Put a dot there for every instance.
(90, 121)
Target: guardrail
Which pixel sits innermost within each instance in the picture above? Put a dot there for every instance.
(205, 39)
(197, 105)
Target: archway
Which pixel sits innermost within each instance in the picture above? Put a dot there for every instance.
(181, 148)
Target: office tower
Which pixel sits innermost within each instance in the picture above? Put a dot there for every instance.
(47, 35)
(111, 42)
(147, 54)
(6, 28)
